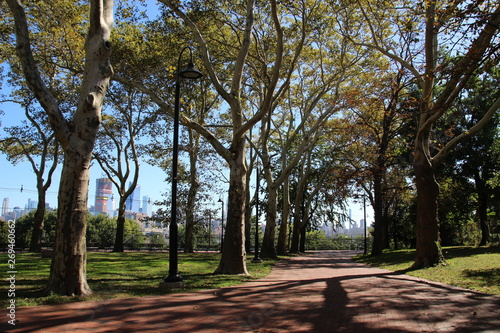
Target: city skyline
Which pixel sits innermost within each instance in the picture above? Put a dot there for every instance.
(20, 185)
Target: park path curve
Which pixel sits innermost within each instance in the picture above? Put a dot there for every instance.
(315, 292)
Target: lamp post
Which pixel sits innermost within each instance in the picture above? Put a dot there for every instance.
(191, 73)
(209, 228)
(221, 225)
(256, 258)
(364, 216)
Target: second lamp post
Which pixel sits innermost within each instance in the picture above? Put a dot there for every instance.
(190, 72)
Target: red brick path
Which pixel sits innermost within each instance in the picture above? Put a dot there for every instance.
(317, 292)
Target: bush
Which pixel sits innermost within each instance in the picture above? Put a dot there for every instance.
(101, 230)
(24, 228)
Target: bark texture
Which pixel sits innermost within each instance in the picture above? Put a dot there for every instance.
(76, 136)
(233, 260)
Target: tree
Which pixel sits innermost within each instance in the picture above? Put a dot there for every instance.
(308, 71)
(321, 184)
(377, 116)
(75, 134)
(233, 256)
(26, 223)
(443, 32)
(116, 146)
(200, 158)
(35, 142)
(475, 159)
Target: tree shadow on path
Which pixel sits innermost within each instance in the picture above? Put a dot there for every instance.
(319, 292)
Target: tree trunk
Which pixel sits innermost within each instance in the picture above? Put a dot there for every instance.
(233, 260)
(268, 248)
(483, 218)
(294, 246)
(76, 136)
(248, 217)
(191, 202)
(428, 252)
(303, 231)
(68, 268)
(36, 234)
(381, 228)
(297, 222)
(120, 226)
(298, 214)
(285, 217)
(482, 209)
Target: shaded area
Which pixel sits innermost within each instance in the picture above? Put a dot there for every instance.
(490, 276)
(319, 292)
(454, 252)
(129, 274)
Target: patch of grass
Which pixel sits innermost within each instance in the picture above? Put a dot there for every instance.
(477, 269)
(121, 275)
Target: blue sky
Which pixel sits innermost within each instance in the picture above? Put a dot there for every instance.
(151, 180)
(12, 178)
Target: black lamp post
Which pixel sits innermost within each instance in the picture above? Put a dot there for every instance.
(209, 229)
(364, 216)
(221, 225)
(256, 258)
(190, 72)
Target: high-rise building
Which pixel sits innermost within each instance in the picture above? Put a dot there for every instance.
(103, 193)
(5, 206)
(134, 200)
(146, 205)
(32, 205)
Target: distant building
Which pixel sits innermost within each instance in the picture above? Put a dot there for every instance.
(104, 192)
(134, 200)
(5, 206)
(146, 205)
(32, 205)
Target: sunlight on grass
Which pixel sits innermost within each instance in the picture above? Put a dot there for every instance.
(477, 269)
(121, 275)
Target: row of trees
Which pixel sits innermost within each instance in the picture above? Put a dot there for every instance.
(101, 231)
(334, 99)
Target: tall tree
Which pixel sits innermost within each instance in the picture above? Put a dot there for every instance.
(426, 34)
(200, 158)
(309, 71)
(77, 133)
(233, 256)
(321, 183)
(377, 116)
(233, 260)
(476, 159)
(116, 146)
(35, 142)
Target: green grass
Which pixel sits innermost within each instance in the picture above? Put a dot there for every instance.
(121, 275)
(476, 269)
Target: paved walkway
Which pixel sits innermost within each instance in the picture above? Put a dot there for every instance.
(317, 292)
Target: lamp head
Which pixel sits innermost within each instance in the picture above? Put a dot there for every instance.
(190, 72)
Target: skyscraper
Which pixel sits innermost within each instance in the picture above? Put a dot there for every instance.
(32, 204)
(134, 200)
(146, 205)
(103, 193)
(5, 206)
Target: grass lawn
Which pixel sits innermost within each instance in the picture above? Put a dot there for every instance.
(121, 275)
(473, 268)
